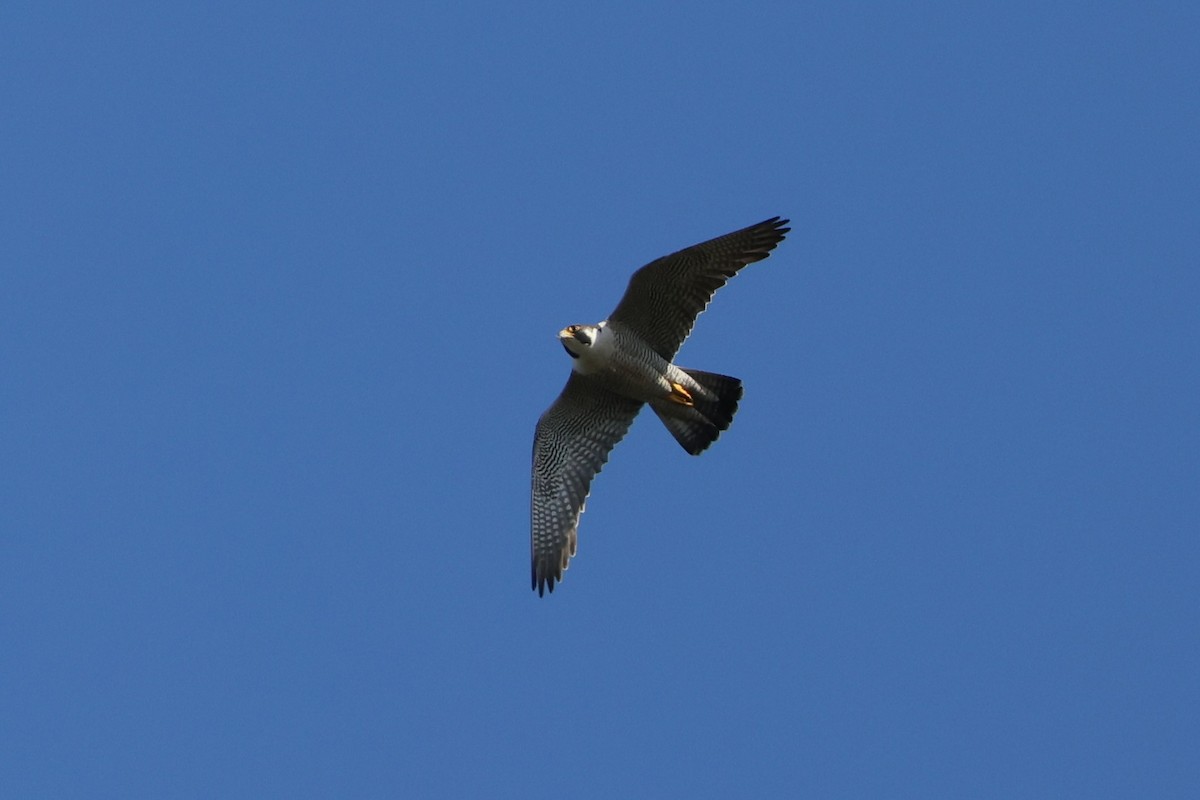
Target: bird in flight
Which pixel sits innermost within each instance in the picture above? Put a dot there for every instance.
(624, 362)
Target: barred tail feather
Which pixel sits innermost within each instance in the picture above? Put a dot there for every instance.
(697, 427)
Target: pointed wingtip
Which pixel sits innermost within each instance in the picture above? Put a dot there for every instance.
(776, 225)
(541, 583)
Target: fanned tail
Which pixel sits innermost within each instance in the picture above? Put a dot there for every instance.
(697, 426)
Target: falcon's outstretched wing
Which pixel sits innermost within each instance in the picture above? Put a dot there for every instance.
(664, 297)
(570, 446)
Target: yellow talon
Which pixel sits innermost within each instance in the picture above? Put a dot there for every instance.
(680, 395)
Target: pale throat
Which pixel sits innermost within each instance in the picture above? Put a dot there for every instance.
(596, 356)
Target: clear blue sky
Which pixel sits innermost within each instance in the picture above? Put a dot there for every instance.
(278, 300)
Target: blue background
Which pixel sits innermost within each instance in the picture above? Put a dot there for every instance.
(278, 300)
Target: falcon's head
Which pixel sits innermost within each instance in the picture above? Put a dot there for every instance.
(577, 338)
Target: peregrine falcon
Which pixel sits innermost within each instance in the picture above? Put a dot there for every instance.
(624, 362)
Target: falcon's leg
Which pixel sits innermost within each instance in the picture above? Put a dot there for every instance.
(681, 395)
